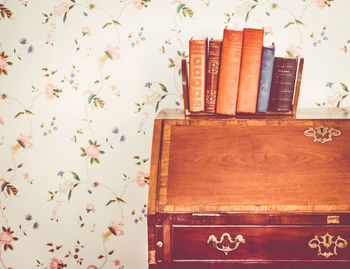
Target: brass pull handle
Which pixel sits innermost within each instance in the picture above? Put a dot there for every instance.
(226, 249)
(327, 241)
(322, 134)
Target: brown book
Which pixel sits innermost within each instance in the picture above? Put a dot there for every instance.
(211, 79)
(184, 73)
(197, 66)
(229, 72)
(282, 84)
(250, 70)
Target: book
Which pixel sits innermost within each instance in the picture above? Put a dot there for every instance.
(197, 68)
(211, 80)
(267, 59)
(230, 61)
(250, 70)
(282, 84)
(184, 73)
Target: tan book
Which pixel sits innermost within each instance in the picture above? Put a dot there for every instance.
(197, 67)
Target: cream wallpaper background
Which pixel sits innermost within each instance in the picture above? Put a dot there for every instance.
(80, 84)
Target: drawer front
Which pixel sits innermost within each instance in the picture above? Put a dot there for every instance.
(256, 265)
(212, 243)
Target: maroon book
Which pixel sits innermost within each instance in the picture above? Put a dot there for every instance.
(211, 83)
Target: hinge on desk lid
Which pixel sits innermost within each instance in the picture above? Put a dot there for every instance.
(206, 214)
(152, 257)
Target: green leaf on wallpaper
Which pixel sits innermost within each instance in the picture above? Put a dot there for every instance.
(107, 77)
(29, 112)
(18, 114)
(186, 11)
(120, 200)
(70, 194)
(104, 26)
(110, 201)
(299, 22)
(3, 186)
(179, 7)
(116, 22)
(288, 24)
(345, 88)
(64, 17)
(163, 88)
(247, 17)
(91, 97)
(157, 106)
(99, 102)
(75, 176)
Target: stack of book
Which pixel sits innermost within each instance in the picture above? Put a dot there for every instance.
(238, 75)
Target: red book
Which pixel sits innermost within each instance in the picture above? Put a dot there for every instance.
(229, 72)
(211, 79)
(197, 67)
(250, 70)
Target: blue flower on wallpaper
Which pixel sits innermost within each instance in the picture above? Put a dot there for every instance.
(148, 84)
(329, 84)
(60, 173)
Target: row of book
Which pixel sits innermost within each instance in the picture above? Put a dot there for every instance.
(238, 74)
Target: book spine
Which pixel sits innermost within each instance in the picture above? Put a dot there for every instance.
(267, 59)
(229, 72)
(211, 84)
(197, 67)
(184, 73)
(282, 84)
(250, 70)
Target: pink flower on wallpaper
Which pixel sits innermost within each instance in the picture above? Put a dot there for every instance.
(176, 2)
(116, 228)
(26, 175)
(6, 238)
(90, 208)
(153, 99)
(138, 4)
(294, 50)
(268, 30)
(334, 99)
(60, 9)
(57, 264)
(177, 62)
(141, 179)
(65, 187)
(24, 141)
(2, 180)
(86, 31)
(92, 267)
(243, 8)
(4, 63)
(92, 151)
(111, 52)
(2, 121)
(117, 262)
(321, 3)
(51, 91)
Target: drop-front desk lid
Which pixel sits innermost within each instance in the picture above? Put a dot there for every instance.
(272, 163)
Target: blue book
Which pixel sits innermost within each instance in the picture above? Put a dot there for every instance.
(266, 68)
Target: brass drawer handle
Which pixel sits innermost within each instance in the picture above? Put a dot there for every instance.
(322, 134)
(226, 249)
(326, 241)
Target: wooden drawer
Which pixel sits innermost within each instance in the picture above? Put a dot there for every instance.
(260, 243)
(257, 265)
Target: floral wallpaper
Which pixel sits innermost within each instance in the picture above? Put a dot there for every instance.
(81, 82)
